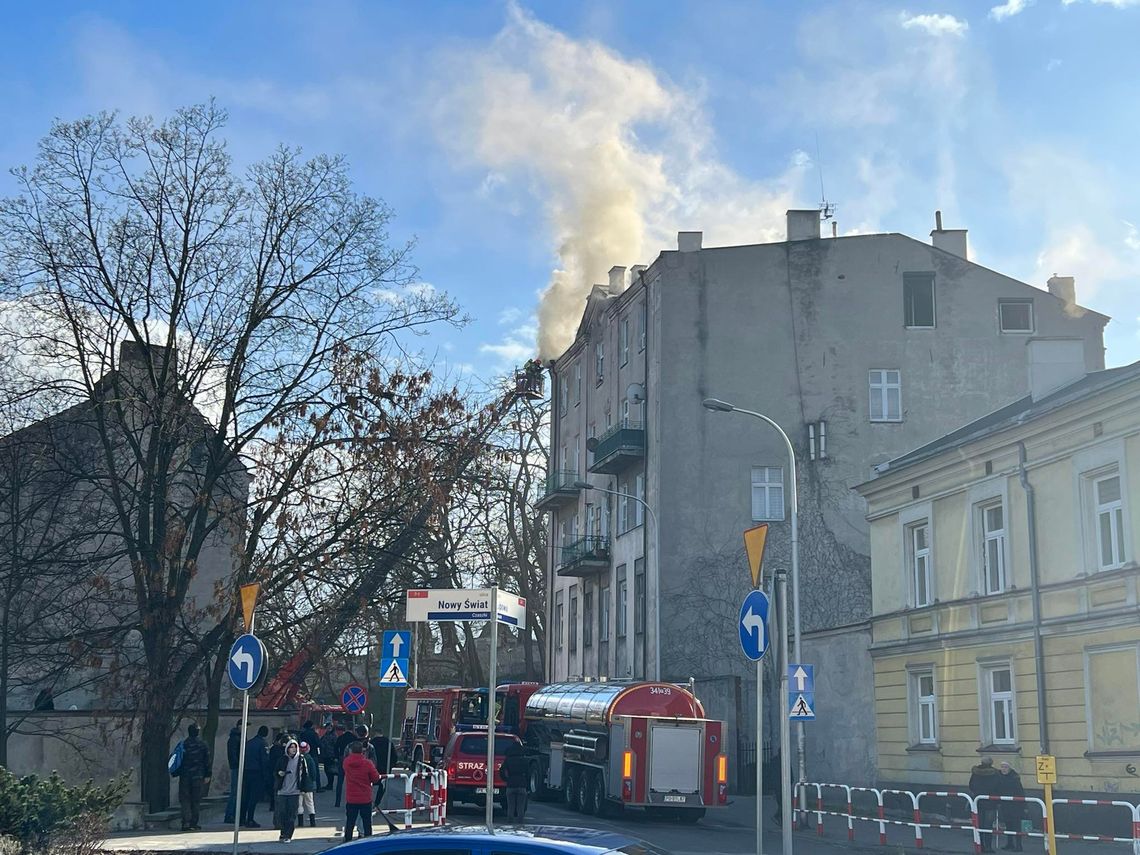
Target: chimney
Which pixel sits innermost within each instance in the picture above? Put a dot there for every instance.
(1053, 363)
(689, 241)
(636, 271)
(949, 240)
(1064, 287)
(803, 225)
(617, 280)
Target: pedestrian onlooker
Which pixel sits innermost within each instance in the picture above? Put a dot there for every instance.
(233, 758)
(385, 752)
(516, 773)
(984, 782)
(193, 775)
(308, 804)
(276, 752)
(291, 774)
(327, 756)
(309, 734)
(359, 777)
(344, 738)
(1009, 784)
(253, 782)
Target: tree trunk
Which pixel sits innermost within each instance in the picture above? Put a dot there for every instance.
(158, 720)
(215, 677)
(4, 656)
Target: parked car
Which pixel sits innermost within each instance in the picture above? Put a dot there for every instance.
(531, 840)
(465, 759)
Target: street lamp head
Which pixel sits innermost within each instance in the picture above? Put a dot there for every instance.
(717, 405)
(583, 485)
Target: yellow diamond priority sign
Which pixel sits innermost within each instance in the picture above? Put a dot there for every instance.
(754, 540)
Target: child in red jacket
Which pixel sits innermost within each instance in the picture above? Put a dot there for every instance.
(359, 778)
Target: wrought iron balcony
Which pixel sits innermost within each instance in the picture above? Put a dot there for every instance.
(618, 448)
(560, 490)
(585, 556)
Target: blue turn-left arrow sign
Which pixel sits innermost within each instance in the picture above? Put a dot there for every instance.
(247, 661)
(754, 625)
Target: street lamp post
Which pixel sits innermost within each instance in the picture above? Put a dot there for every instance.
(724, 407)
(586, 485)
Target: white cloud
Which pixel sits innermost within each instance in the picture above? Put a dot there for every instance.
(1009, 8)
(516, 347)
(1053, 64)
(510, 315)
(1132, 236)
(935, 25)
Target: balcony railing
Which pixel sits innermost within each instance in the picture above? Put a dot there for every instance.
(585, 556)
(560, 489)
(618, 448)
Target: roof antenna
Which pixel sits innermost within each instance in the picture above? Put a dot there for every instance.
(826, 209)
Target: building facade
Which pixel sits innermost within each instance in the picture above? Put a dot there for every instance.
(1005, 580)
(860, 348)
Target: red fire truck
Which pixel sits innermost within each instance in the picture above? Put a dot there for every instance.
(433, 715)
(644, 745)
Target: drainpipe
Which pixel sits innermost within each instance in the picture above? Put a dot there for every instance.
(1035, 588)
(555, 434)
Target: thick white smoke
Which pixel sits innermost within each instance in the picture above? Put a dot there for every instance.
(620, 158)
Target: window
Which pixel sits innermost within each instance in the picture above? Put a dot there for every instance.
(918, 300)
(558, 625)
(603, 613)
(600, 361)
(591, 432)
(578, 382)
(1109, 521)
(999, 722)
(918, 555)
(638, 508)
(993, 547)
(767, 493)
(601, 520)
(622, 601)
(641, 320)
(591, 529)
(923, 708)
(625, 412)
(624, 340)
(573, 618)
(587, 618)
(577, 455)
(639, 595)
(886, 394)
(622, 509)
(1015, 316)
(1112, 698)
(563, 394)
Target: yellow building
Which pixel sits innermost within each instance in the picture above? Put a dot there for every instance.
(1004, 579)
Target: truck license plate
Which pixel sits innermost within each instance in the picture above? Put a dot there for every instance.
(482, 791)
(680, 799)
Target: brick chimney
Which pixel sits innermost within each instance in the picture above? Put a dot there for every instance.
(949, 240)
(1064, 287)
(803, 224)
(689, 241)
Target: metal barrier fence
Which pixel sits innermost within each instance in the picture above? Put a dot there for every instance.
(867, 804)
(424, 791)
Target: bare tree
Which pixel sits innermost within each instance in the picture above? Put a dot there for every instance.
(236, 345)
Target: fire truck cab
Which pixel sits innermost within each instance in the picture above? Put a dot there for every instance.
(433, 715)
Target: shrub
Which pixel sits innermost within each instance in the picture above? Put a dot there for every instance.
(43, 815)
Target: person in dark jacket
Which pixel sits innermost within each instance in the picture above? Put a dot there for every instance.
(193, 775)
(233, 759)
(344, 738)
(516, 773)
(257, 771)
(328, 757)
(385, 752)
(276, 752)
(309, 734)
(984, 782)
(1009, 784)
(308, 802)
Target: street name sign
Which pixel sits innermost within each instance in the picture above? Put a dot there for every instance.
(754, 625)
(354, 698)
(393, 673)
(452, 604)
(247, 662)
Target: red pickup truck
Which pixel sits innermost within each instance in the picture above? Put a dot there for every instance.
(465, 759)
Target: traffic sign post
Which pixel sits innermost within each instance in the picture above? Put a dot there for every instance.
(753, 631)
(246, 665)
(801, 692)
(1047, 777)
(354, 698)
(394, 675)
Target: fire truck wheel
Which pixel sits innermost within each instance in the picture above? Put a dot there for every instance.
(534, 782)
(570, 789)
(597, 794)
(586, 792)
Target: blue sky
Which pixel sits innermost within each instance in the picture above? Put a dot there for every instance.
(535, 142)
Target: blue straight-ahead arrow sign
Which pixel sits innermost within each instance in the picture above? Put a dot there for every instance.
(397, 643)
(754, 625)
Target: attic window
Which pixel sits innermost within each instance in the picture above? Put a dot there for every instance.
(918, 300)
(1015, 316)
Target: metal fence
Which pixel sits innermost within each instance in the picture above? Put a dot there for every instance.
(746, 750)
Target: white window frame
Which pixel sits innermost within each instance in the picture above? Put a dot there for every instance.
(622, 510)
(879, 386)
(999, 536)
(922, 708)
(987, 698)
(916, 276)
(577, 382)
(622, 622)
(600, 361)
(578, 455)
(762, 480)
(921, 580)
(1017, 302)
(603, 614)
(1090, 464)
(639, 492)
(623, 336)
(563, 394)
(572, 599)
(559, 626)
(1114, 510)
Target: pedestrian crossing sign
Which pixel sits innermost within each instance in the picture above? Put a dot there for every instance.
(801, 706)
(393, 672)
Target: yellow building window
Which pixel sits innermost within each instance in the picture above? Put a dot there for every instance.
(1113, 697)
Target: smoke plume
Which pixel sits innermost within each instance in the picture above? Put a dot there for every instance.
(619, 157)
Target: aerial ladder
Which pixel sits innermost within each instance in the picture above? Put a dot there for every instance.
(282, 689)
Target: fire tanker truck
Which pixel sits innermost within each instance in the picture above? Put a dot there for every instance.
(644, 745)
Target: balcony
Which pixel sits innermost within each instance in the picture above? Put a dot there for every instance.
(560, 490)
(618, 448)
(585, 556)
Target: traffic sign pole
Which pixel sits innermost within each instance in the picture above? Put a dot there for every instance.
(786, 794)
(391, 724)
(491, 711)
(759, 757)
(241, 750)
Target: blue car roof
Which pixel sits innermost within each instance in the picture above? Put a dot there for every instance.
(583, 841)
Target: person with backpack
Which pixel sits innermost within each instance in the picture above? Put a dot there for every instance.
(328, 757)
(253, 784)
(360, 776)
(233, 758)
(191, 765)
(308, 804)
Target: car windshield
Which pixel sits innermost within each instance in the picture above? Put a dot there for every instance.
(639, 848)
(478, 745)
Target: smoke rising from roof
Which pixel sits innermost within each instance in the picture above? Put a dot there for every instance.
(620, 158)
